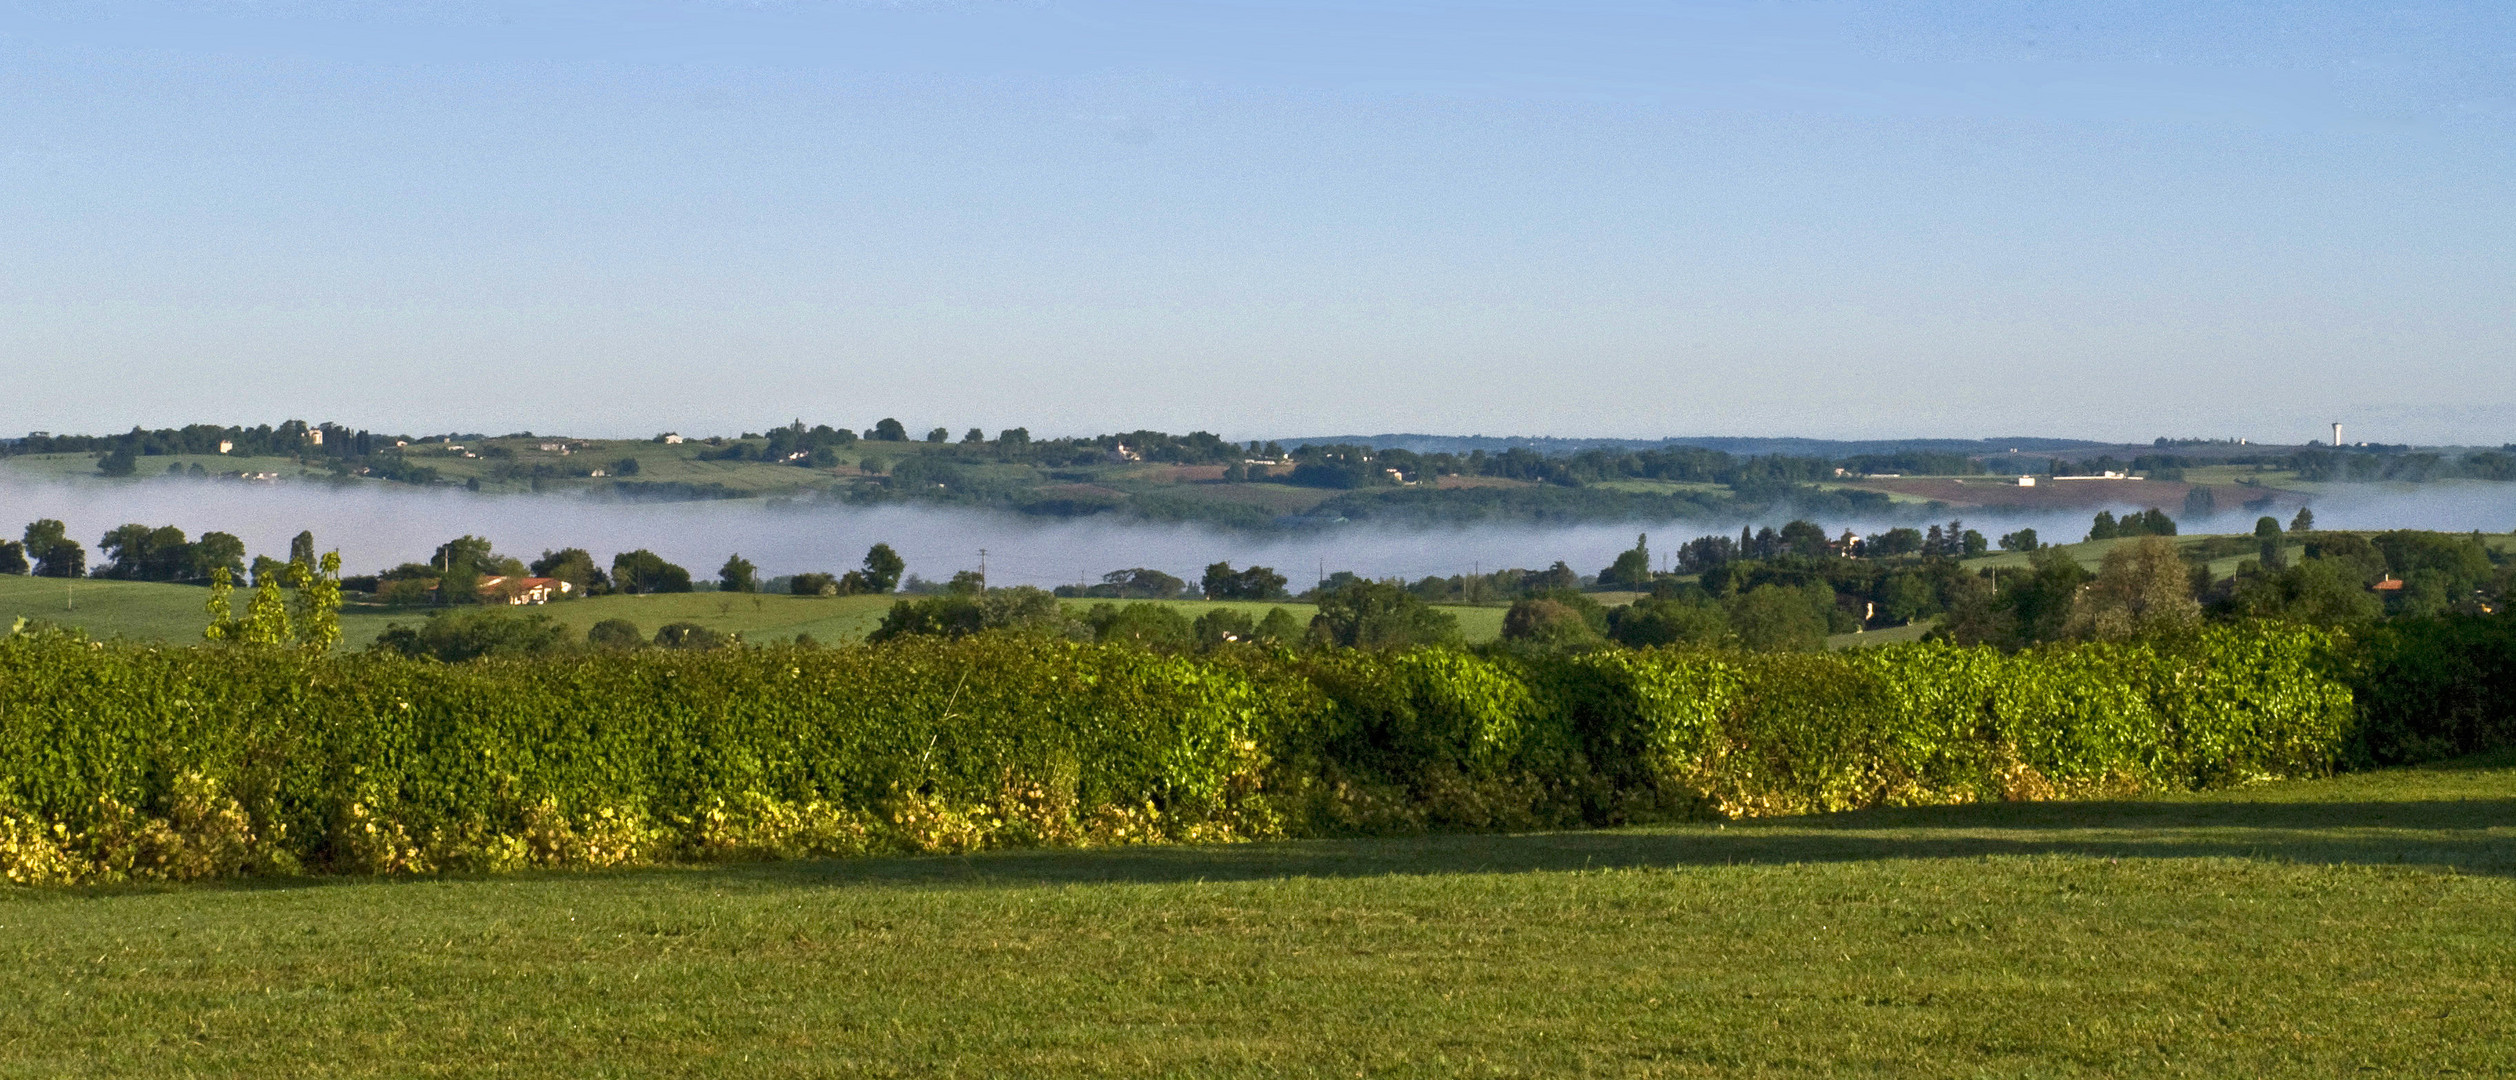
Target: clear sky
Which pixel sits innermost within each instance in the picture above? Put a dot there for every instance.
(2106, 220)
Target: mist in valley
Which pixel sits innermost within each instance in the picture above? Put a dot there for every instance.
(375, 527)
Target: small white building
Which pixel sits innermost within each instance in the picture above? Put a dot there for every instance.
(2026, 481)
(530, 590)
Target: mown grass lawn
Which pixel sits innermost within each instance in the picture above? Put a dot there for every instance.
(2354, 926)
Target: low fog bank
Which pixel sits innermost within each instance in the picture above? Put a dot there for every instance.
(375, 527)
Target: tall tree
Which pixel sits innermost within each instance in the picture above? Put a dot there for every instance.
(461, 563)
(216, 551)
(576, 567)
(315, 618)
(1782, 618)
(1379, 615)
(737, 575)
(1632, 568)
(1805, 539)
(2142, 589)
(882, 569)
(644, 571)
(1221, 582)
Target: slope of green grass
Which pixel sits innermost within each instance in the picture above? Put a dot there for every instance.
(2339, 927)
(150, 611)
(1476, 623)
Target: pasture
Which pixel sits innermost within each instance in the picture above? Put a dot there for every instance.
(2346, 926)
(151, 611)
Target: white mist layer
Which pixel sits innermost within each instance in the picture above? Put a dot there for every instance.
(375, 526)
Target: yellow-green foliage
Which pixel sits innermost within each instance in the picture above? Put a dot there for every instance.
(121, 762)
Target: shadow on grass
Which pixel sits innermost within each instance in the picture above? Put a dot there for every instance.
(2438, 823)
(2476, 836)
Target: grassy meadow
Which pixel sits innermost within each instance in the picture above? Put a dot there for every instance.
(2347, 926)
(151, 611)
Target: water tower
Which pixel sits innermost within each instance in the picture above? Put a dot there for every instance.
(2336, 433)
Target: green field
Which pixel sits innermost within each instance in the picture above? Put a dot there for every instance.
(2339, 927)
(149, 611)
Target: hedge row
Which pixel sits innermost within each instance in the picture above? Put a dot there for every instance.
(150, 762)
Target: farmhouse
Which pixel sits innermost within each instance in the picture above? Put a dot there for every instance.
(522, 590)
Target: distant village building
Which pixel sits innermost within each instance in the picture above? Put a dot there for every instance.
(225, 446)
(523, 590)
(672, 439)
(2026, 481)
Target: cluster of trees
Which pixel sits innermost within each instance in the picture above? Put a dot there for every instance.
(2343, 578)
(2153, 586)
(2150, 522)
(136, 552)
(797, 444)
(815, 447)
(880, 573)
(293, 439)
(47, 550)
(2369, 464)
(1220, 582)
(1355, 614)
(456, 636)
(1785, 599)
(1808, 540)
(1349, 466)
(454, 574)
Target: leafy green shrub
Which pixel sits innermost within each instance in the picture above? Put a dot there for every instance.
(1380, 615)
(375, 763)
(690, 636)
(2433, 688)
(615, 634)
(120, 761)
(468, 635)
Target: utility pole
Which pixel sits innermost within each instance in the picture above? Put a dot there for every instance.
(982, 569)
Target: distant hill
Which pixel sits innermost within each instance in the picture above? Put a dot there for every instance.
(1819, 448)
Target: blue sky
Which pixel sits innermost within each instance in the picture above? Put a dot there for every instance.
(1852, 220)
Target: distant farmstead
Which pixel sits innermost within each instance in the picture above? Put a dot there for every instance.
(522, 590)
